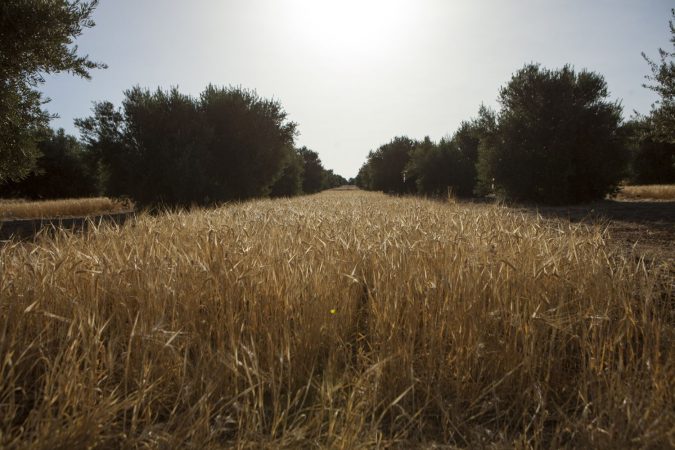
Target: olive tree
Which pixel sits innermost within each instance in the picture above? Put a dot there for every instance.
(556, 138)
(36, 38)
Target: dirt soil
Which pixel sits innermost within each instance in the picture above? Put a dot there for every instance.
(646, 226)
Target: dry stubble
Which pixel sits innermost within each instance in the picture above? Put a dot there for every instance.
(341, 320)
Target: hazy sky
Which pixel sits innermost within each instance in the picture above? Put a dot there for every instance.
(355, 73)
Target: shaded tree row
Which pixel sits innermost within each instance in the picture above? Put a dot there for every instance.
(555, 139)
(64, 168)
(652, 138)
(165, 147)
(304, 173)
(652, 160)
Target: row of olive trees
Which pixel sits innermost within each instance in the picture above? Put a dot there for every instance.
(63, 169)
(170, 148)
(164, 147)
(556, 138)
(160, 147)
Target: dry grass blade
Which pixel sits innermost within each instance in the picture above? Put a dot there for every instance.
(12, 209)
(648, 192)
(340, 320)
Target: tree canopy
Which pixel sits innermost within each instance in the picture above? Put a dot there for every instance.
(385, 169)
(556, 138)
(36, 38)
(164, 147)
(292, 175)
(652, 161)
(64, 169)
(312, 169)
(663, 83)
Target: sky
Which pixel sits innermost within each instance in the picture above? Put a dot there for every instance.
(353, 74)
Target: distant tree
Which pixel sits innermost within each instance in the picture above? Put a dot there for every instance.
(467, 140)
(289, 182)
(652, 161)
(151, 151)
(439, 168)
(362, 178)
(433, 166)
(487, 118)
(663, 79)
(332, 180)
(313, 171)
(556, 139)
(36, 37)
(169, 148)
(63, 170)
(165, 130)
(387, 164)
(111, 146)
(249, 143)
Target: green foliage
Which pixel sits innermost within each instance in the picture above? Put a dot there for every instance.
(289, 182)
(36, 37)
(169, 148)
(63, 170)
(248, 142)
(315, 177)
(663, 77)
(313, 171)
(450, 164)
(107, 139)
(433, 167)
(556, 138)
(386, 167)
(165, 138)
(22, 124)
(332, 180)
(363, 179)
(467, 140)
(652, 161)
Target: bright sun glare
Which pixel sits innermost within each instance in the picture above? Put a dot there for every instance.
(350, 27)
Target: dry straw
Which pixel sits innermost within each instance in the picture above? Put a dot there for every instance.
(649, 191)
(341, 320)
(10, 209)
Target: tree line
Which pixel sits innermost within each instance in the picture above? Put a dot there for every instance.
(168, 148)
(556, 138)
(159, 147)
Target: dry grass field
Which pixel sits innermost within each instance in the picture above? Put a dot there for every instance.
(340, 320)
(651, 192)
(13, 209)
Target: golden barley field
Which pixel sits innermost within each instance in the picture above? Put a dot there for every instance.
(340, 320)
(648, 191)
(18, 209)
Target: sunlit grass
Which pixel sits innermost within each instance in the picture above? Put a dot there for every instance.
(16, 209)
(341, 320)
(647, 192)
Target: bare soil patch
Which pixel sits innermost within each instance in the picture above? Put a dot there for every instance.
(645, 228)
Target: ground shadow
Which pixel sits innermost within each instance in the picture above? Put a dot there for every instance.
(644, 228)
(658, 214)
